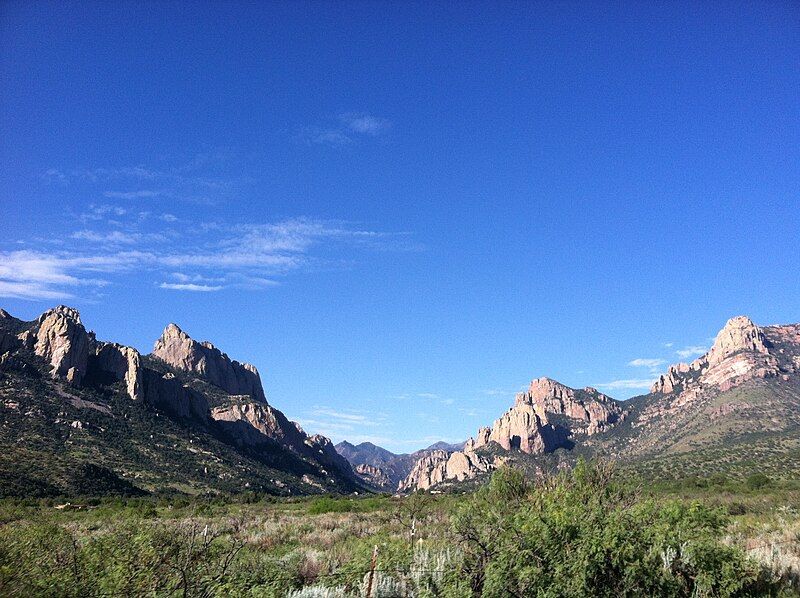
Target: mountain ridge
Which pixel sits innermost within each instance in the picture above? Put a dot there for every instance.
(741, 380)
(63, 388)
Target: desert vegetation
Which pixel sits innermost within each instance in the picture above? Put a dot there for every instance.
(588, 532)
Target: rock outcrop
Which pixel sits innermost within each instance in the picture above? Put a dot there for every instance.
(258, 421)
(439, 466)
(546, 417)
(122, 363)
(62, 341)
(741, 352)
(179, 350)
(374, 476)
(527, 426)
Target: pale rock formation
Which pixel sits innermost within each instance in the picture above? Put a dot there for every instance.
(741, 352)
(179, 350)
(439, 466)
(526, 426)
(124, 363)
(62, 340)
(167, 392)
(263, 421)
(374, 476)
(252, 423)
(544, 418)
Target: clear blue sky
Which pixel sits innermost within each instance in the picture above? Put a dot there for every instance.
(403, 212)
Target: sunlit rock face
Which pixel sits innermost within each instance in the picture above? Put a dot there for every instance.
(62, 341)
(741, 351)
(124, 363)
(544, 418)
(179, 350)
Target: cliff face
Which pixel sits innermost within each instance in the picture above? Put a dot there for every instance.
(741, 352)
(190, 382)
(62, 340)
(179, 350)
(749, 381)
(546, 417)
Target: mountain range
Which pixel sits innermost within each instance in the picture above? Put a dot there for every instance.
(82, 416)
(382, 469)
(734, 410)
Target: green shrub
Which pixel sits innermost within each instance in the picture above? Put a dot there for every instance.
(587, 534)
(757, 481)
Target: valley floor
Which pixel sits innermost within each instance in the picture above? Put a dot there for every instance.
(706, 537)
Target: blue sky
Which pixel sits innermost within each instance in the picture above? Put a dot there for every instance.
(403, 212)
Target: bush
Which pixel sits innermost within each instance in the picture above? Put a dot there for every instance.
(587, 534)
(757, 481)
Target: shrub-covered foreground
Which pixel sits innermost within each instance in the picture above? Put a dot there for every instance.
(583, 533)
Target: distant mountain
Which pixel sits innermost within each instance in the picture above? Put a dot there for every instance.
(365, 453)
(83, 416)
(381, 468)
(734, 410)
(446, 446)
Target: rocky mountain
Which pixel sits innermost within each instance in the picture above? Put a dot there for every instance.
(736, 407)
(546, 417)
(184, 418)
(382, 469)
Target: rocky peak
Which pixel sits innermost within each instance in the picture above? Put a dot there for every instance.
(738, 334)
(593, 409)
(204, 360)
(546, 417)
(542, 389)
(741, 352)
(62, 340)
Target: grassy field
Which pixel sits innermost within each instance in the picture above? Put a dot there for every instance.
(580, 534)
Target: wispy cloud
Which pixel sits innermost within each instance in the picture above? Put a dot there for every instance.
(331, 137)
(365, 124)
(344, 416)
(201, 179)
(141, 194)
(498, 392)
(691, 351)
(202, 288)
(115, 237)
(427, 395)
(646, 362)
(350, 424)
(627, 384)
(352, 126)
(189, 256)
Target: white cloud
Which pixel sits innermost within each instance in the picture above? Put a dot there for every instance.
(349, 417)
(202, 288)
(498, 392)
(646, 362)
(142, 194)
(365, 124)
(353, 125)
(243, 256)
(691, 351)
(668, 345)
(30, 290)
(628, 384)
(331, 137)
(427, 395)
(113, 237)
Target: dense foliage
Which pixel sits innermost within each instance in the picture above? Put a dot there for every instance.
(579, 533)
